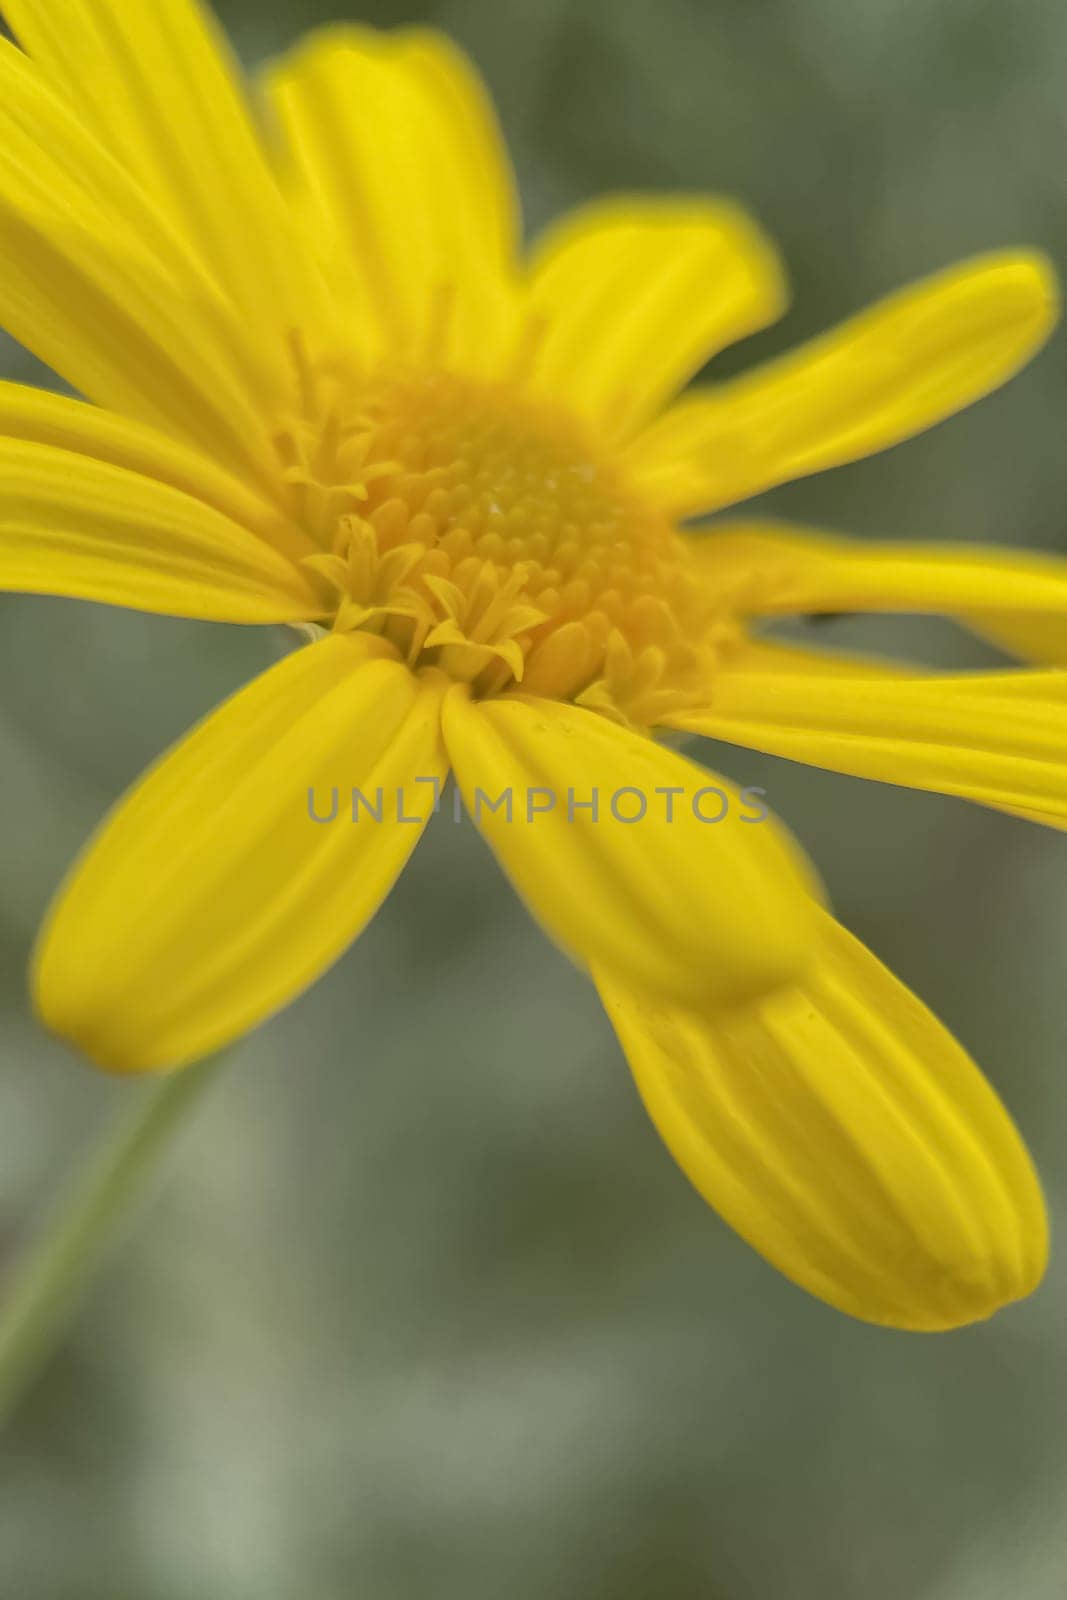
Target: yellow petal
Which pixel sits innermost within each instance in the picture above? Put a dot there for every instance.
(154, 83)
(394, 157)
(998, 738)
(631, 297)
(212, 897)
(793, 570)
(85, 528)
(1041, 639)
(37, 416)
(708, 911)
(772, 656)
(843, 1132)
(889, 373)
(95, 285)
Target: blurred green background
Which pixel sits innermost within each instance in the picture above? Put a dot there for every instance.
(423, 1308)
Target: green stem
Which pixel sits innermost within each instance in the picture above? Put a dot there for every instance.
(48, 1282)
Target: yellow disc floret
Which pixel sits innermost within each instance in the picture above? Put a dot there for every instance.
(483, 531)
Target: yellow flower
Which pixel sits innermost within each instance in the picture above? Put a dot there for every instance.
(325, 387)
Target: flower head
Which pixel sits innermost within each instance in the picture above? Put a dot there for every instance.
(324, 385)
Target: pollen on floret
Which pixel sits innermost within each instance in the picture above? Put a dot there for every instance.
(486, 533)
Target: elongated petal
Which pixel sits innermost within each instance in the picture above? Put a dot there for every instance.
(891, 372)
(1040, 639)
(772, 656)
(153, 82)
(73, 526)
(630, 298)
(843, 1132)
(393, 153)
(710, 912)
(97, 284)
(36, 416)
(763, 657)
(998, 738)
(796, 570)
(212, 895)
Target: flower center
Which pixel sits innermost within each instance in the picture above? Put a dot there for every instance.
(484, 532)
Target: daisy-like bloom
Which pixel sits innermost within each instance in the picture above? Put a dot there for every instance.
(325, 387)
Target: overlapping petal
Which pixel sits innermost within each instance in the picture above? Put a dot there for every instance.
(843, 1132)
(802, 570)
(212, 895)
(667, 879)
(997, 738)
(393, 156)
(71, 525)
(95, 280)
(154, 83)
(37, 416)
(889, 373)
(628, 299)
